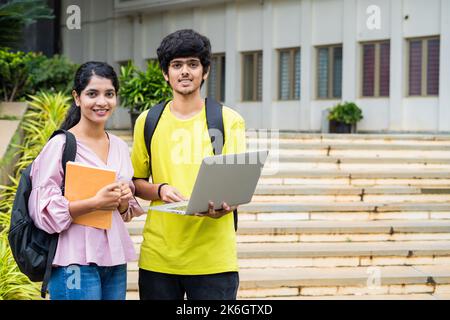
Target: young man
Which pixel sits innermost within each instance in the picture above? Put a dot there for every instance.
(192, 255)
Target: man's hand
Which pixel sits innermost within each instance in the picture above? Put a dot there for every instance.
(171, 194)
(216, 214)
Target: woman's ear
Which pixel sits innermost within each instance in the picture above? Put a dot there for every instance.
(76, 98)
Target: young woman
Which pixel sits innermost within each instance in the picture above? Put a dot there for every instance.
(89, 263)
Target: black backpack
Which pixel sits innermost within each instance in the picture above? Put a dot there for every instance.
(32, 248)
(214, 120)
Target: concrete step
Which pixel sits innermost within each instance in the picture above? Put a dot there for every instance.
(273, 282)
(329, 146)
(349, 249)
(334, 255)
(320, 137)
(339, 211)
(265, 189)
(294, 172)
(298, 157)
(342, 207)
(414, 198)
(390, 227)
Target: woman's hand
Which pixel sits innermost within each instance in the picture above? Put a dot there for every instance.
(108, 197)
(125, 196)
(171, 194)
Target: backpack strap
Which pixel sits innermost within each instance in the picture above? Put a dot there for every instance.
(48, 268)
(69, 154)
(151, 121)
(214, 119)
(70, 150)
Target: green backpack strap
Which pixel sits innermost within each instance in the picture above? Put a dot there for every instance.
(214, 120)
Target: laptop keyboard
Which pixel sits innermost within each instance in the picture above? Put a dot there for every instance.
(180, 208)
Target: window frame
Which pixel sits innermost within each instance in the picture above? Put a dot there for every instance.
(424, 75)
(220, 68)
(291, 69)
(255, 55)
(377, 68)
(330, 70)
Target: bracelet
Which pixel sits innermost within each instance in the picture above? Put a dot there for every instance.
(124, 211)
(159, 189)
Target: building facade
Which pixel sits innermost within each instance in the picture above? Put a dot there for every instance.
(281, 63)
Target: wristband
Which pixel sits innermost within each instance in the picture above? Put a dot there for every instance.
(159, 189)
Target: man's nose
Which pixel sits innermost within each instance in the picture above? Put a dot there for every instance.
(184, 69)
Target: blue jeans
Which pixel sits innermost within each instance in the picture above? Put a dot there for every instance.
(91, 282)
(162, 286)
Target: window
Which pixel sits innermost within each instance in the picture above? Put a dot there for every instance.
(424, 67)
(329, 72)
(289, 74)
(252, 76)
(376, 69)
(216, 78)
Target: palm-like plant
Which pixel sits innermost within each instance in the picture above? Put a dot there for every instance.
(16, 14)
(46, 113)
(14, 285)
(140, 90)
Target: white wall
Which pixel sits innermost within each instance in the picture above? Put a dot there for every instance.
(424, 17)
(246, 25)
(327, 21)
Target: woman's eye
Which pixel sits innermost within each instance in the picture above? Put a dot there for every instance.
(91, 94)
(110, 94)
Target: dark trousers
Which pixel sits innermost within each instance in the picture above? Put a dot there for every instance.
(163, 286)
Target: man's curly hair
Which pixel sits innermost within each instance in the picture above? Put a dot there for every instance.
(181, 44)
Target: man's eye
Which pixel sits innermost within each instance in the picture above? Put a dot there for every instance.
(194, 64)
(176, 65)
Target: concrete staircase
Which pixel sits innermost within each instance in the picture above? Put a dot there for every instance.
(343, 217)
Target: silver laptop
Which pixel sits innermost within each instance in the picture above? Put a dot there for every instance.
(230, 178)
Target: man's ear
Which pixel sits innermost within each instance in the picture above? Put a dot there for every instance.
(206, 75)
(165, 76)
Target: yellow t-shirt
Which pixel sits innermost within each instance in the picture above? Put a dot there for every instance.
(178, 244)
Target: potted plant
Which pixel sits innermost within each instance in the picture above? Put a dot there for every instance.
(343, 117)
(140, 90)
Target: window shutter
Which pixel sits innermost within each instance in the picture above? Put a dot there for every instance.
(385, 67)
(297, 74)
(259, 77)
(369, 70)
(415, 68)
(284, 75)
(212, 79)
(322, 81)
(337, 72)
(433, 67)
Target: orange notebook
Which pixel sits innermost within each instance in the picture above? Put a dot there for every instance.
(83, 182)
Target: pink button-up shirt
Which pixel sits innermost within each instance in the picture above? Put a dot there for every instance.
(49, 209)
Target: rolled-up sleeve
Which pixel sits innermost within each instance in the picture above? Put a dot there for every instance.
(134, 209)
(48, 208)
(127, 170)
